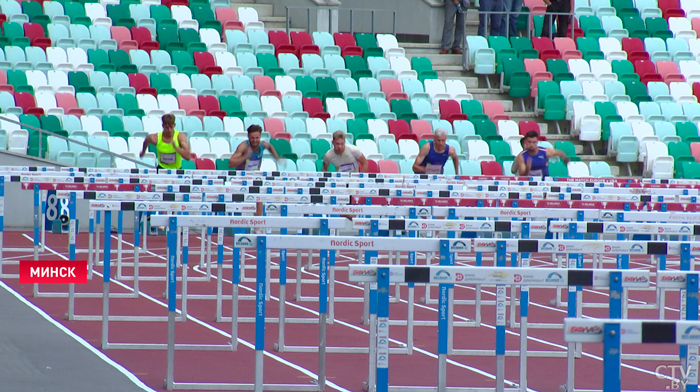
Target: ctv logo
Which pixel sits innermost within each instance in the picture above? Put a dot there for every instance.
(55, 271)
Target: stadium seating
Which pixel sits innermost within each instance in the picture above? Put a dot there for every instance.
(103, 72)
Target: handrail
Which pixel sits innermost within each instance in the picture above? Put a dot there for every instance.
(91, 147)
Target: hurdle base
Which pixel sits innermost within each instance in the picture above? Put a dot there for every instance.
(538, 326)
(125, 318)
(242, 387)
(164, 346)
(650, 357)
(335, 350)
(448, 389)
(85, 295)
(339, 299)
(509, 353)
(251, 320)
(430, 323)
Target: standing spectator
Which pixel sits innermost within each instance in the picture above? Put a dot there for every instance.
(453, 9)
(490, 5)
(562, 20)
(509, 23)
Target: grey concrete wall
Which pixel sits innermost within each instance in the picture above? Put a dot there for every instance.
(8, 158)
(414, 17)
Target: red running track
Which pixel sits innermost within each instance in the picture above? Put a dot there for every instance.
(345, 372)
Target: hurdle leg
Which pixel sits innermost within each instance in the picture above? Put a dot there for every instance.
(297, 291)
(268, 276)
(260, 312)
(179, 248)
(145, 230)
(209, 235)
(219, 273)
(97, 238)
(611, 358)
(37, 224)
(119, 244)
(71, 249)
(172, 297)
(44, 197)
(372, 377)
(91, 243)
(202, 254)
(331, 294)
(106, 279)
(383, 331)
(570, 366)
(137, 251)
(409, 321)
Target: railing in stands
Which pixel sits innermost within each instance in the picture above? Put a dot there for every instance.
(113, 156)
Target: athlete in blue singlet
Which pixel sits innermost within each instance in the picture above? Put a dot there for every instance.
(533, 161)
(249, 155)
(434, 155)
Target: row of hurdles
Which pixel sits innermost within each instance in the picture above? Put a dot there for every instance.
(566, 248)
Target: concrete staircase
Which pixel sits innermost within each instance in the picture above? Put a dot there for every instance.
(449, 66)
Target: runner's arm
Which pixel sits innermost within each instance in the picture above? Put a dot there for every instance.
(551, 152)
(417, 168)
(184, 149)
(364, 163)
(272, 150)
(455, 159)
(523, 168)
(239, 156)
(150, 139)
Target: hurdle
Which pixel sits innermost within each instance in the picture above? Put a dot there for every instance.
(244, 241)
(446, 275)
(613, 333)
(451, 226)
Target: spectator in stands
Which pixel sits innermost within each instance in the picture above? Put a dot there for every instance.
(562, 20)
(490, 5)
(509, 23)
(533, 161)
(454, 9)
(346, 159)
(249, 156)
(171, 145)
(433, 155)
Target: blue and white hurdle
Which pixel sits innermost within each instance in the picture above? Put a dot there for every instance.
(446, 275)
(614, 333)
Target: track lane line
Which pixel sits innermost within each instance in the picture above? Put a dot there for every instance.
(210, 327)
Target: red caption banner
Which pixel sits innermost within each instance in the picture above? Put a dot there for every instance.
(53, 271)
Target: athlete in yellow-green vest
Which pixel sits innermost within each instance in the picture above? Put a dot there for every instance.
(171, 145)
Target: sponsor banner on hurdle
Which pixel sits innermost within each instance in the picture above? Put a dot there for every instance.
(633, 331)
(469, 245)
(274, 208)
(249, 221)
(497, 276)
(448, 224)
(84, 186)
(625, 228)
(107, 205)
(347, 243)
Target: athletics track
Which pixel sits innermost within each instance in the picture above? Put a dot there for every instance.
(345, 372)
